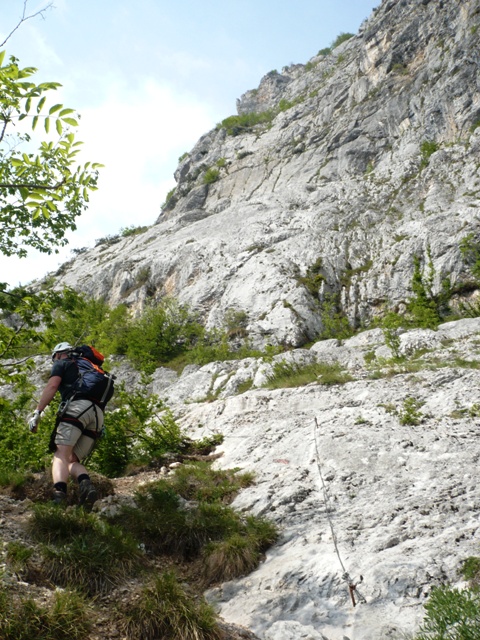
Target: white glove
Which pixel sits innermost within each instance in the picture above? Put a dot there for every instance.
(34, 420)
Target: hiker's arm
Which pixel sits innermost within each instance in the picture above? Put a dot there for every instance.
(49, 392)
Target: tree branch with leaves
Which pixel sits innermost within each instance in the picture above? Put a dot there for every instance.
(43, 190)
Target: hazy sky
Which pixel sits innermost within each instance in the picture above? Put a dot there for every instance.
(149, 77)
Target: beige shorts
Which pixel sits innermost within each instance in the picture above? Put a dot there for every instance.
(70, 434)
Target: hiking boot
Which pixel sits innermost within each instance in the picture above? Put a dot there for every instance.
(59, 497)
(88, 494)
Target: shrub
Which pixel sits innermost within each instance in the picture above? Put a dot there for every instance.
(211, 175)
(161, 333)
(335, 324)
(411, 414)
(88, 320)
(451, 614)
(423, 306)
(236, 125)
(166, 610)
(470, 250)
(427, 148)
(340, 39)
(108, 240)
(19, 449)
(141, 429)
(157, 520)
(164, 525)
(314, 278)
(132, 230)
(170, 199)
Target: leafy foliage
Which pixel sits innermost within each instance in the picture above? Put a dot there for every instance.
(470, 250)
(411, 414)
(236, 125)
(211, 175)
(313, 278)
(42, 192)
(161, 333)
(335, 323)
(140, 430)
(340, 39)
(19, 450)
(451, 614)
(423, 306)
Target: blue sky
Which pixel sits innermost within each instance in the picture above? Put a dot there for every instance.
(149, 78)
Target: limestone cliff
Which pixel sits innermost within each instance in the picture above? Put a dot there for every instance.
(363, 158)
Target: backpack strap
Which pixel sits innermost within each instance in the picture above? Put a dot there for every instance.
(107, 389)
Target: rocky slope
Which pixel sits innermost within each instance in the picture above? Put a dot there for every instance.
(370, 157)
(375, 477)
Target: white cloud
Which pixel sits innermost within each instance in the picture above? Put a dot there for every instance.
(138, 134)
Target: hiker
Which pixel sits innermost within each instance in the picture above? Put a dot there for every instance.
(79, 422)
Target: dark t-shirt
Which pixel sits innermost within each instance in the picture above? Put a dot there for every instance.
(68, 372)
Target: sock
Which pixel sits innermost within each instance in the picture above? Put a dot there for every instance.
(60, 486)
(84, 476)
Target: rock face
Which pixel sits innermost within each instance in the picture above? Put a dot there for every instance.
(369, 158)
(376, 478)
(360, 160)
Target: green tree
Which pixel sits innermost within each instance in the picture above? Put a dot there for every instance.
(161, 333)
(42, 191)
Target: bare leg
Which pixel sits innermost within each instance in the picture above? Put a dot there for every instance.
(65, 463)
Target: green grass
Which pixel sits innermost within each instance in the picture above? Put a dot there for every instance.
(14, 479)
(166, 610)
(198, 481)
(18, 556)
(166, 526)
(230, 558)
(24, 619)
(287, 375)
(81, 551)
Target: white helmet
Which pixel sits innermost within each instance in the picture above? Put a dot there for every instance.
(61, 347)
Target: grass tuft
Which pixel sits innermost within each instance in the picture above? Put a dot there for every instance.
(204, 526)
(287, 375)
(68, 618)
(83, 552)
(166, 610)
(198, 481)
